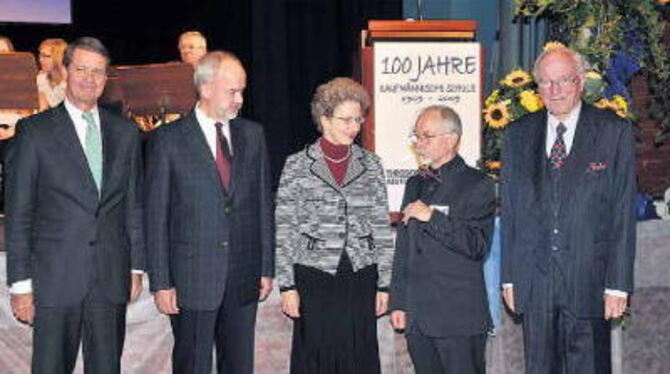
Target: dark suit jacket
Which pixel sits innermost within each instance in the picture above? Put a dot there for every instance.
(596, 218)
(59, 232)
(197, 234)
(438, 277)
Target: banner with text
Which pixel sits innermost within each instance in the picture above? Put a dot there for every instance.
(409, 76)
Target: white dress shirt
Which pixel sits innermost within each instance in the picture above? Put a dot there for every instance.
(209, 130)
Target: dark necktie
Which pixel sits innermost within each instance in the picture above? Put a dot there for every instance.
(558, 152)
(223, 157)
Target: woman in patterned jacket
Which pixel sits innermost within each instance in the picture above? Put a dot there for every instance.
(334, 244)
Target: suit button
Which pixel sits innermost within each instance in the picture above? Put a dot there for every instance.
(92, 242)
(340, 235)
(223, 244)
(340, 218)
(554, 248)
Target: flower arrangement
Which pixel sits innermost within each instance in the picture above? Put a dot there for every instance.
(618, 38)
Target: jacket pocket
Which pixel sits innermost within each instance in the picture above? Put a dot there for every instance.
(367, 240)
(312, 241)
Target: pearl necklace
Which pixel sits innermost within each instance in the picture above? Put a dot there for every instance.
(338, 160)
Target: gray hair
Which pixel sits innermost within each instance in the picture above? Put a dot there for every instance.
(451, 121)
(87, 43)
(209, 65)
(580, 62)
(187, 34)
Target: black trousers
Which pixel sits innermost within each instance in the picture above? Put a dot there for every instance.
(556, 340)
(96, 322)
(453, 355)
(230, 328)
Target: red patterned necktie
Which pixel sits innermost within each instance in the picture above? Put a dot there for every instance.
(558, 152)
(223, 158)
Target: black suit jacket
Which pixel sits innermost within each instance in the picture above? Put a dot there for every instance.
(596, 230)
(59, 231)
(438, 277)
(198, 235)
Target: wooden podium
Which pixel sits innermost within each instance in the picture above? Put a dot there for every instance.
(408, 65)
(152, 94)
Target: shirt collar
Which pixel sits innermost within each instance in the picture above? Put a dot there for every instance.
(76, 113)
(570, 122)
(205, 121)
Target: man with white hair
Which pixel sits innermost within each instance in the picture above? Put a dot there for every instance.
(568, 221)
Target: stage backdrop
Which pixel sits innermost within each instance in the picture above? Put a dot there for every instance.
(411, 75)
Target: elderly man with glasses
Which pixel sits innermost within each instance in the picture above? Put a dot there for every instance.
(438, 294)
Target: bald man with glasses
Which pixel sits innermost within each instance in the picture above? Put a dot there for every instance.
(438, 294)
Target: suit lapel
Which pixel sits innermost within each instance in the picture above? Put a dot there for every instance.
(65, 133)
(239, 147)
(582, 150)
(110, 159)
(319, 166)
(356, 168)
(196, 141)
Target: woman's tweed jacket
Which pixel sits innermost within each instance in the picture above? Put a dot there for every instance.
(316, 218)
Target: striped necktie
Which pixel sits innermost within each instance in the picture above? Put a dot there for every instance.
(93, 148)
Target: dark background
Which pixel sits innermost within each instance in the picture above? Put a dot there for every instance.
(288, 47)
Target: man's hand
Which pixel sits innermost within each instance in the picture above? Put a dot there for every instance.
(166, 301)
(615, 306)
(417, 210)
(265, 289)
(381, 303)
(23, 307)
(398, 319)
(290, 303)
(508, 296)
(135, 286)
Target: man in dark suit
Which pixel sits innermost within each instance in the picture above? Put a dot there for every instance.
(568, 224)
(438, 295)
(210, 224)
(74, 222)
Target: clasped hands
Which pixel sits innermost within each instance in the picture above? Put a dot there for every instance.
(417, 210)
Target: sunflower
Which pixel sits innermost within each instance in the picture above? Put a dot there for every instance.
(530, 100)
(602, 103)
(493, 165)
(594, 75)
(516, 78)
(619, 105)
(497, 115)
(552, 45)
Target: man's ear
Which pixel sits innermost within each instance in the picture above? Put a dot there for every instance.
(206, 90)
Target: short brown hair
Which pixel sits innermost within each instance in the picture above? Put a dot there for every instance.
(333, 93)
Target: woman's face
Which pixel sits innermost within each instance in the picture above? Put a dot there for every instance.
(345, 123)
(46, 59)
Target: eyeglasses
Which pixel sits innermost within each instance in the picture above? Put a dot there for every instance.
(560, 83)
(350, 120)
(85, 70)
(415, 138)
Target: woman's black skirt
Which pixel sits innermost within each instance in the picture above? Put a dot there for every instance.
(337, 329)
